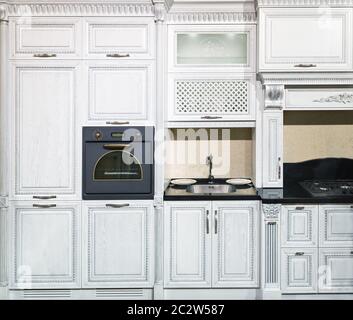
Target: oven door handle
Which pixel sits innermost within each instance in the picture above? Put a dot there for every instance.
(115, 146)
(117, 206)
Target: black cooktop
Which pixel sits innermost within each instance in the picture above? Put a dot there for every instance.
(328, 188)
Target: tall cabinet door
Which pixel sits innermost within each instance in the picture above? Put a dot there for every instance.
(119, 246)
(235, 244)
(44, 155)
(45, 250)
(187, 244)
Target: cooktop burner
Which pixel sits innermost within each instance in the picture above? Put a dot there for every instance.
(327, 188)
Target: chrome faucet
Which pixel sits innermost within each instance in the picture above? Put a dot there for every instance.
(209, 162)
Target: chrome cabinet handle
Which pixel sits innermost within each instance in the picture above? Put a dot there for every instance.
(211, 117)
(299, 253)
(44, 55)
(117, 206)
(44, 197)
(44, 206)
(207, 222)
(279, 169)
(118, 55)
(303, 65)
(118, 122)
(115, 146)
(215, 222)
(299, 208)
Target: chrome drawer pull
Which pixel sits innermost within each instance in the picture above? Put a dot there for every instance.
(44, 55)
(116, 206)
(299, 253)
(44, 206)
(211, 117)
(118, 55)
(299, 208)
(302, 65)
(215, 222)
(207, 222)
(117, 122)
(44, 197)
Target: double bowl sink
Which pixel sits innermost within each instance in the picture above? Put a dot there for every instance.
(211, 189)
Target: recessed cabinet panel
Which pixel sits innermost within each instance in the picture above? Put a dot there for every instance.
(300, 226)
(120, 91)
(305, 39)
(44, 150)
(336, 270)
(336, 226)
(299, 270)
(46, 246)
(121, 38)
(187, 244)
(119, 247)
(57, 37)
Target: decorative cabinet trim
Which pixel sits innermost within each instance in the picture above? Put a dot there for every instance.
(212, 17)
(274, 97)
(304, 3)
(3, 246)
(271, 211)
(344, 98)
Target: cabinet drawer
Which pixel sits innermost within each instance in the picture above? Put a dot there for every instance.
(217, 97)
(299, 270)
(305, 39)
(300, 226)
(336, 226)
(337, 270)
(120, 38)
(45, 38)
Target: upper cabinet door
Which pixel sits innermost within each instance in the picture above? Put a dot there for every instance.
(120, 92)
(120, 38)
(203, 48)
(235, 244)
(305, 39)
(45, 132)
(44, 38)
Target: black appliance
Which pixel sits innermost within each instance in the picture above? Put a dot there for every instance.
(328, 188)
(118, 163)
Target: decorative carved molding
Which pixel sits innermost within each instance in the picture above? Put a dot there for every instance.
(3, 247)
(274, 97)
(3, 12)
(159, 12)
(4, 203)
(83, 9)
(212, 17)
(271, 211)
(304, 3)
(343, 98)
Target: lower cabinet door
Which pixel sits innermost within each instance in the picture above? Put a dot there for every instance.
(118, 245)
(187, 244)
(299, 270)
(336, 267)
(46, 248)
(235, 244)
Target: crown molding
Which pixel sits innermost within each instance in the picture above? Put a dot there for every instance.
(304, 3)
(212, 17)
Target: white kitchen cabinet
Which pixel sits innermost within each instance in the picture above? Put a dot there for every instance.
(211, 244)
(119, 38)
(299, 270)
(45, 38)
(118, 249)
(305, 39)
(205, 48)
(45, 133)
(299, 226)
(120, 92)
(211, 97)
(336, 225)
(336, 273)
(272, 149)
(235, 244)
(45, 245)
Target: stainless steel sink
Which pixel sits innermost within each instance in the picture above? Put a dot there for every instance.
(211, 188)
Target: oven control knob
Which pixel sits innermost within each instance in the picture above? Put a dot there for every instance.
(98, 135)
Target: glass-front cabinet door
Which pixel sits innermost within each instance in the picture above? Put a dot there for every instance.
(219, 47)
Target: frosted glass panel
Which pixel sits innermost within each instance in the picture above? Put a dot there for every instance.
(212, 48)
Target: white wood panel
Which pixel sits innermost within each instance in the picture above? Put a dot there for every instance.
(299, 226)
(120, 91)
(336, 226)
(187, 244)
(45, 246)
(119, 246)
(235, 244)
(134, 37)
(272, 149)
(319, 38)
(299, 270)
(59, 36)
(337, 270)
(44, 150)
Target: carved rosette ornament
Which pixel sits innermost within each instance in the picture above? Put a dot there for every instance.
(274, 96)
(271, 211)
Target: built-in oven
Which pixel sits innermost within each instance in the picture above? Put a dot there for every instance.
(118, 163)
